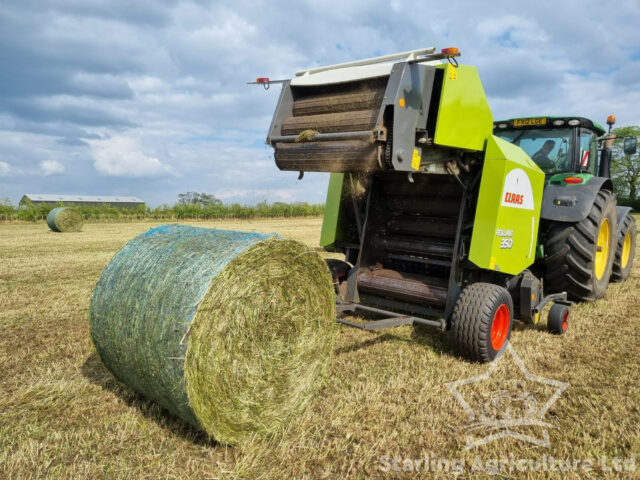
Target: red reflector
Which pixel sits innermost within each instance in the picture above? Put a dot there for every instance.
(262, 80)
(450, 51)
(573, 180)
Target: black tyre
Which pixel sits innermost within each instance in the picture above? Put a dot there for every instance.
(339, 269)
(481, 321)
(579, 256)
(625, 250)
(339, 273)
(558, 319)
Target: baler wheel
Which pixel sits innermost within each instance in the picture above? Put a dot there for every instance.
(339, 273)
(558, 319)
(579, 256)
(625, 250)
(482, 320)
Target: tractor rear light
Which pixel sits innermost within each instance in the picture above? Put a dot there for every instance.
(573, 180)
(558, 122)
(262, 80)
(450, 51)
(502, 125)
(574, 122)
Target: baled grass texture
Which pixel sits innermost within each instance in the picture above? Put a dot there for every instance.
(230, 331)
(65, 219)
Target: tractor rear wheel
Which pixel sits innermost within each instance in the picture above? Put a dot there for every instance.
(579, 256)
(625, 250)
(482, 320)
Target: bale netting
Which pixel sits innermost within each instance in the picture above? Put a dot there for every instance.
(230, 331)
(65, 219)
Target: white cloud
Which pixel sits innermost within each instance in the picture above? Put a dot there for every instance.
(4, 169)
(122, 157)
(157, 90)
(51, 167)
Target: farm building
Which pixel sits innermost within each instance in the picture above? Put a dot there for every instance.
(90, 200)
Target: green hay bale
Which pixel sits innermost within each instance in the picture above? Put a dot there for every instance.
(65, 219)
(230, 331)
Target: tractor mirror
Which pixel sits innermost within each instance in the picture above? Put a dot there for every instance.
(630, 145)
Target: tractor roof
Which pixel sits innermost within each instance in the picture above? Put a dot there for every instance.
(549, 122)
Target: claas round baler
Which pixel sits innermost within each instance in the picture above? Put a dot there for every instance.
(441, 222)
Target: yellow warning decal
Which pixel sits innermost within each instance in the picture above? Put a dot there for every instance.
(492, 263)
(415, 159)
(452, 72)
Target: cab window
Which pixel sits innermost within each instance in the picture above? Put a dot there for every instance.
(588, 151)
(549, 148)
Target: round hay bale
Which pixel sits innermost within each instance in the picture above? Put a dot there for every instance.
(230, 331)
(65, 219)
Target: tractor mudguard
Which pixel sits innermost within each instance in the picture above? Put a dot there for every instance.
(621, 213)
(572, 203)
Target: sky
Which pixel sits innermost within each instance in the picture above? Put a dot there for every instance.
(149, 98)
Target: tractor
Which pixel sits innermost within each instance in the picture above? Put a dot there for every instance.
(446, 218)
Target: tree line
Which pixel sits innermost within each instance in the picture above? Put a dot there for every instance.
(27, 211)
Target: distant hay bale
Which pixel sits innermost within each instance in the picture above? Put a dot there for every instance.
(230, 331)
(65, 219)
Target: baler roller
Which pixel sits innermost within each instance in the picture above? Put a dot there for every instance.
(331, 122)
(404, 286)
(329, 156)
(423, 226)
(418, 246)
(431, 206)
(338, 102)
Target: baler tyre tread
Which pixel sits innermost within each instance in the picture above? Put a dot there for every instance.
(618, 273)
(473, 317)
(570, 252)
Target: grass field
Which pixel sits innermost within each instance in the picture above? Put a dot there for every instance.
(62, 415)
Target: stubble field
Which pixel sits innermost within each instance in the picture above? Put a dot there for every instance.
(386, 407)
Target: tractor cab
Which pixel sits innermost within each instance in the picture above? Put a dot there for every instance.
(558, 145)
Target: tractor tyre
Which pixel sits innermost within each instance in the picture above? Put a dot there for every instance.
(625, 250)
(579, 256)
(481, 321)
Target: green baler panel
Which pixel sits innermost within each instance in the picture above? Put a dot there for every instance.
(464, 117)
(505, 229)
(331, 222)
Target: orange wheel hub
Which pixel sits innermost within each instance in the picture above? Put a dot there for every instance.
(500, 327)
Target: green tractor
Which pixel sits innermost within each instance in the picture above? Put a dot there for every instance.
(586, 240)
(444, 218)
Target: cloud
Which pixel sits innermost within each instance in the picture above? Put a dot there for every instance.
(51, 167)
(4, 169)
(122, 157)
(149, 98)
